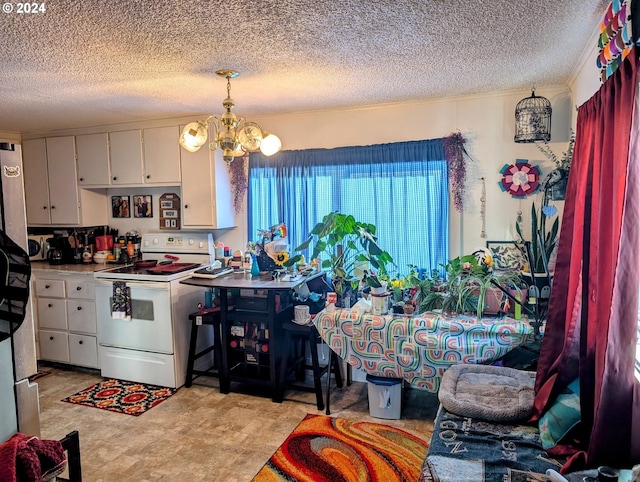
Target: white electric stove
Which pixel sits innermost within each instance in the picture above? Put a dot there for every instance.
(152, 345)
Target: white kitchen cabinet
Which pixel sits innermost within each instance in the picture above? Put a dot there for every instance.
(81, 316)
(63, 191)
(54, 346)
(36, 181)
(93, 159)
(52, 313)
(162, 155)
(51, 190)
(125, 152)
(83, 350)
(66, 317)
(48, 288)
(206, 191)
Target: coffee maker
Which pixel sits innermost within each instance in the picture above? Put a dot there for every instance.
(55, 255)
(64, 249)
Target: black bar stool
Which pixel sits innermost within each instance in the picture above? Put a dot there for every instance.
(212, 318)
(300, 335)
(334, 361)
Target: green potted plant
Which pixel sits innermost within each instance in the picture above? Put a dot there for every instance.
(468, 287)
(556, 183)
(342, 243)
(540, 247)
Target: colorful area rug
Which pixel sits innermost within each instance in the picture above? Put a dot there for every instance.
(334, 449)
(122, 397)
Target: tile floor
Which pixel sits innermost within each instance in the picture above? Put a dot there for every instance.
(199, 434)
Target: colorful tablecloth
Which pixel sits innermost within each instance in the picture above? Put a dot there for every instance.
(417, 348)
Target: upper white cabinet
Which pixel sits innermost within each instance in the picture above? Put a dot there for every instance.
(93, 159)
(36, 181)
(206, 193)
(161, 155)
(52, 194)
(148, 157)
(125, 149)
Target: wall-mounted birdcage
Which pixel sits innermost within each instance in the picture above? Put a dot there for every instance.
(533, 119)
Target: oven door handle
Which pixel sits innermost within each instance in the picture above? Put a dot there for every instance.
(140, 285)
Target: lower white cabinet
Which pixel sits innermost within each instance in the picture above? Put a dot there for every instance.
(54, 345)
(66, 317)
(83, 350)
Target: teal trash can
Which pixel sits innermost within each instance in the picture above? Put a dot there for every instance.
(385, 397)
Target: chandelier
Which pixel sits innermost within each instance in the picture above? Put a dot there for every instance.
(234, 135)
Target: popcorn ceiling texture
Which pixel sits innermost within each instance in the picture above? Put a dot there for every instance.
(99, 62)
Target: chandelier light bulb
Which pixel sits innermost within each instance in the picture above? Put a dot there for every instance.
(193, 136)
(270, 144)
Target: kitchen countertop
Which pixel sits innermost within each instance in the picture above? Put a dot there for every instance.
(240, 280)
(69, 268)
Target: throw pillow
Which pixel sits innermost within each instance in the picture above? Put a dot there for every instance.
(561, 417)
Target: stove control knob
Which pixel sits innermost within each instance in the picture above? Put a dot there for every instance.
(146, 243)
(156, 240)
(201, 244)
(192, 241)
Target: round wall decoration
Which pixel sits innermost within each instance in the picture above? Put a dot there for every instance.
(520, 179)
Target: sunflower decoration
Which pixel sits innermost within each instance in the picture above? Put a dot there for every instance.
(281, 257)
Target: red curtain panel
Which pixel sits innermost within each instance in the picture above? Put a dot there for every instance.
(592, 321)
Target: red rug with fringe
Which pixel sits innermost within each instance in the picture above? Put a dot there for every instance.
(121, 396)
(324, 448)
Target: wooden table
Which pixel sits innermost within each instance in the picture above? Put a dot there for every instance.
(252, 331)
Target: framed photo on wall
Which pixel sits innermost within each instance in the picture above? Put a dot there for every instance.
(120, 207)
(142, 206)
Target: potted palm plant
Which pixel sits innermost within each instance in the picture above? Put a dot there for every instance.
(342, 243)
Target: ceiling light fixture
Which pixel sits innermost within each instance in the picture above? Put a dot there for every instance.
(234, 135)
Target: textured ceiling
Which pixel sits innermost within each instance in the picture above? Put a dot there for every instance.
(95, 62)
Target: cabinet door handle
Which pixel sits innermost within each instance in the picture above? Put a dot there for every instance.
(148, 176)
(78, 288)
(45, 207)
(51, 338)
(115, 178)
(79, 308)
(53, 207)
(50, 305)
(81, 179)
(46, 287)
(80, 342)
(186, 206)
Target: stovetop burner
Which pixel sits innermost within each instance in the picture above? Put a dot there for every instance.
(170, 268)
(188, 251)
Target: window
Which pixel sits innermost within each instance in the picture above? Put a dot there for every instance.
(401, 188)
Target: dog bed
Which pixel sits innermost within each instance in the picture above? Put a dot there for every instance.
(487, 392)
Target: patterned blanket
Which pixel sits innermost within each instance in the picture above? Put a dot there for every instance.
(465, 449)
